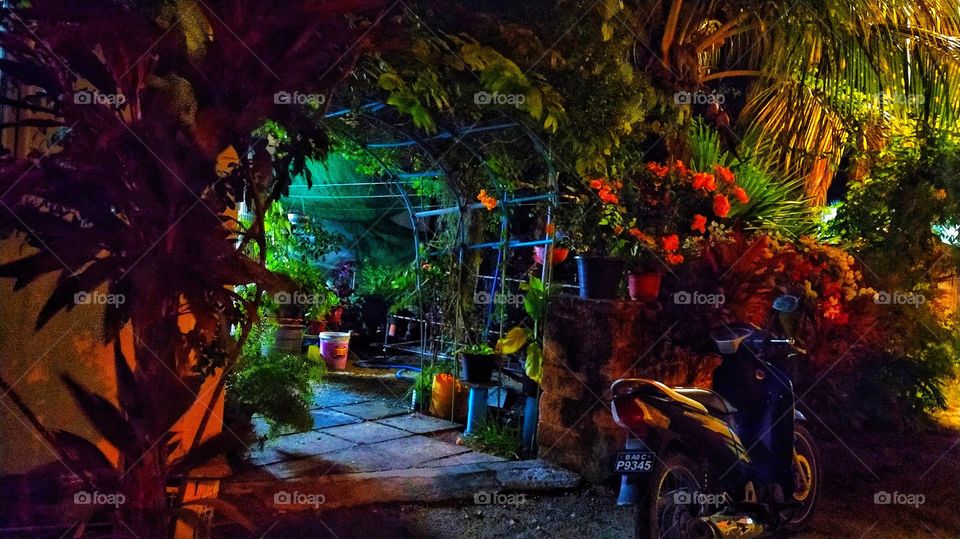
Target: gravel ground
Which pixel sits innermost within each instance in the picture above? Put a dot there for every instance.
(857, 469)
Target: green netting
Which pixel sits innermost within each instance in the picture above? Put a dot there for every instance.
(366, 209)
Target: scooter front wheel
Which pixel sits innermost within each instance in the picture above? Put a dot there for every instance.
(807, 475)
(672, 501)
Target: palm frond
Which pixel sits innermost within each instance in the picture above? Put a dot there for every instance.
(775, 205)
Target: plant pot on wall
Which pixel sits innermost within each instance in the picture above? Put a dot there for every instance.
(599, 276)
(558, 256)
(477, 368)
(643, 286)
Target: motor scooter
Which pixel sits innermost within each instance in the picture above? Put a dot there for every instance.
(734, 461)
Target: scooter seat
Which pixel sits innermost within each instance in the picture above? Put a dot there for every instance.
(711, 400)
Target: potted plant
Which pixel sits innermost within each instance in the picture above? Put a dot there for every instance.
(419, 392)
(477, 362)
(671, 211)
(602, 242)
(650, 257)
(560, 250)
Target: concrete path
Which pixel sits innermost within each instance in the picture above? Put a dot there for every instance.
(367, 447)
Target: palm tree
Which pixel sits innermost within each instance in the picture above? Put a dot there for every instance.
(819, 77)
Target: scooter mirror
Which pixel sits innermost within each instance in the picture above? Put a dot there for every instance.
(786, 303)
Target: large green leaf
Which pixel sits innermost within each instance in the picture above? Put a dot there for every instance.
(534, 363)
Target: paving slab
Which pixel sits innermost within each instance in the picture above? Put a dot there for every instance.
(368, 432)
(419, 423)
(312, 466)
(331, 395)
(394, 454)
(471, 457)
(377, 409)
(410, 485)
(324, 418)
(296, 446)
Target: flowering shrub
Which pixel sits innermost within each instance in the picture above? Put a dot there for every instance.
(838, 306)
(662, 212)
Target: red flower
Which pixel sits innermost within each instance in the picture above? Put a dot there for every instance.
(674, 258)
(741, 195)
(657, 169)
(699, 224)
(596, 184)
(704, 180)
(724, 173)
(681, 168)
(670, 243)
(721, 206)
(617, 229)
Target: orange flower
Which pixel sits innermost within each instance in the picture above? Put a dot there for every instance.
(488, 201)
(617, 229)
(674, 258)
(617, 184)
(607, 197)
(721, 206)
(550, 229)
(670, 243)
(657, 169)
(724, 173)
(681, 168)
(640, 236)
(699, 223)
(741, 195)
(704, 180)
(596, 184)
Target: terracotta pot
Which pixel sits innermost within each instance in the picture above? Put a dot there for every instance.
(599, 276)
(644, 286)
(316, 327)
(559, 255)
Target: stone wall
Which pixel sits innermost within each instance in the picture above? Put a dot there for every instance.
(587, 345)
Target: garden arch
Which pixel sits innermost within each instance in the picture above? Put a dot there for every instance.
(474, 139)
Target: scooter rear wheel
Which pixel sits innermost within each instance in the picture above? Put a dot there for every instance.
(672, 499)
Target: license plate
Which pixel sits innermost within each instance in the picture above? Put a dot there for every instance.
(634, 462)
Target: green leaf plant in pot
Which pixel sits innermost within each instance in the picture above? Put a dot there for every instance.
(601, 241)
(419, 391)
(477, 363)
